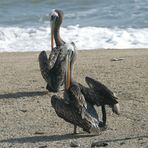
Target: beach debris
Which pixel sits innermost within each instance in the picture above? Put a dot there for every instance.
(23, 110)
(39, 133)
(122, 143)
(117, 59)
(74, 144)
(99, 144)
(38, 101)
(140, 138)
(34, 80)
(43, 146)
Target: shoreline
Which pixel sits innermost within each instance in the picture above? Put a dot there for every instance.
(78, 50)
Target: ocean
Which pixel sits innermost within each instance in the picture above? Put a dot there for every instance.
(91, 24)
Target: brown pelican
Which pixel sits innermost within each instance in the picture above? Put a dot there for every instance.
(77, 107)
(53, 69)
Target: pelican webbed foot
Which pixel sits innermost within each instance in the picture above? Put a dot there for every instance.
(102, 125)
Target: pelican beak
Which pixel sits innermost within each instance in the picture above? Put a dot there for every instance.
(52, 34)
(68, 70)
(116, 109)
(53, 15)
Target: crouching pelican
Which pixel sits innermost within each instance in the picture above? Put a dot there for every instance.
(77, 107)
(53, 69)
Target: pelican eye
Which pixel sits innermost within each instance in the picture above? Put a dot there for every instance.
(53, 15)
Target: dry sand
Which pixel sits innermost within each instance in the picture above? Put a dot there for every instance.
(27, 119)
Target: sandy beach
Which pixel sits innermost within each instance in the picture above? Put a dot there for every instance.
(28, 120)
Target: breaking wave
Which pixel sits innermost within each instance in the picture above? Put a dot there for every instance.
(38, 38)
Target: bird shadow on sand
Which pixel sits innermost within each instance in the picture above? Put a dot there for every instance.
(18, 95)
(45, 138)
(131, 137)
(52, 138)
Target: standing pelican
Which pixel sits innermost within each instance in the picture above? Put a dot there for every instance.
(77, 107)
(53, 69)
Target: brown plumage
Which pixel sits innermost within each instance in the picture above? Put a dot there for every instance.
(53, 68)
(77, 107)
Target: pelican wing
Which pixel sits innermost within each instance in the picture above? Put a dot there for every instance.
(69, 114)
(77, 98)
(87, 110)
(53, 57)
(89, 94)
(99, 88)
(45, 64)
(102, 93)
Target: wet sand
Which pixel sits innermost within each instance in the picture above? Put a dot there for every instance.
(28, 120)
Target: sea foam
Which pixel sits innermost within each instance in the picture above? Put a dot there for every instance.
(38, 38)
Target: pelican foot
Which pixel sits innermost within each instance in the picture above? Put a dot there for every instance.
(102, 126)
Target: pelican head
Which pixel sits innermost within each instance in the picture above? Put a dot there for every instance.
(56, 18)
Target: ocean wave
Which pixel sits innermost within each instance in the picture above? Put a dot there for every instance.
(85, 13)
(37, 39)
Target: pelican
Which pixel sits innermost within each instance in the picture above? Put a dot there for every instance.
(77, 107)
(53, 69)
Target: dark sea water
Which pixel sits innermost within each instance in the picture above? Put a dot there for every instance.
(24, 24)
